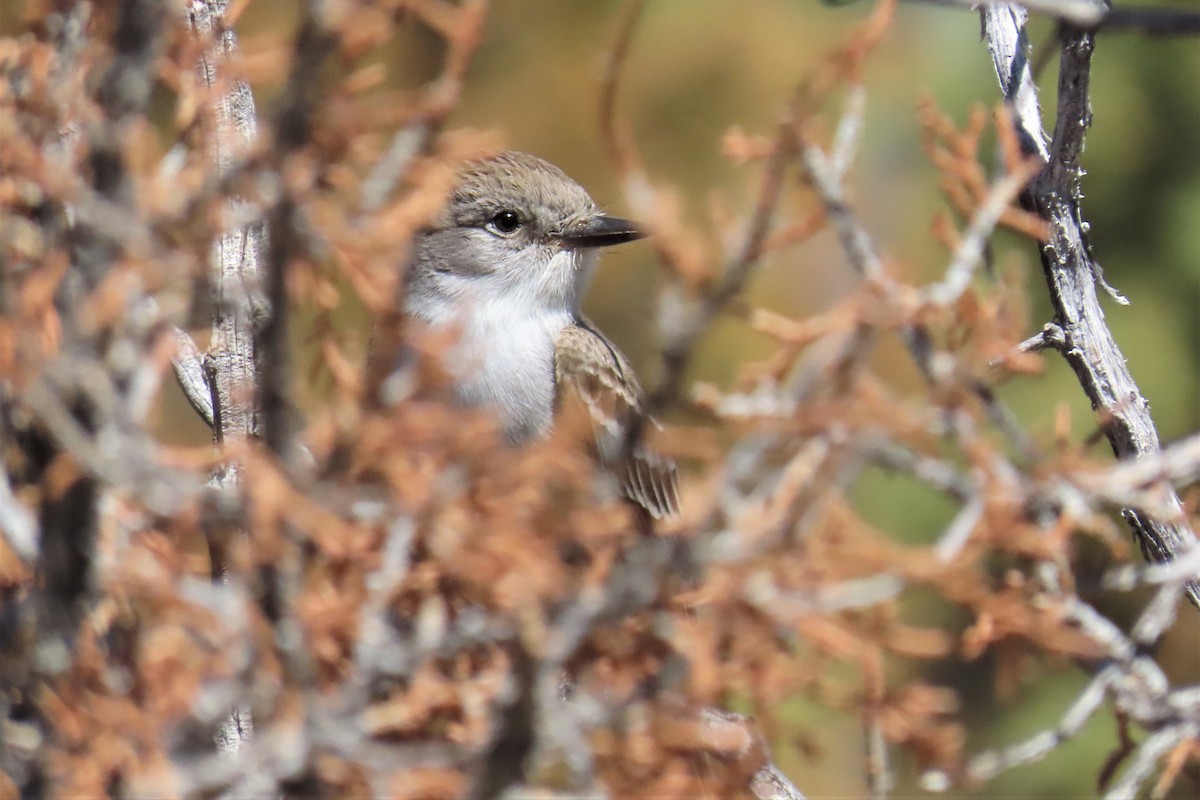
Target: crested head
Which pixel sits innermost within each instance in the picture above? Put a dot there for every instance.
(513, 181)
(515, 228)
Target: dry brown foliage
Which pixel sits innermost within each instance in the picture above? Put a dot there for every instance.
(413, 608)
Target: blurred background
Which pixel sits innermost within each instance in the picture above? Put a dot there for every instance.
(701, 67)
(698, 68)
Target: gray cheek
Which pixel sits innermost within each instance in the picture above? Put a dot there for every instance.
(466, 252)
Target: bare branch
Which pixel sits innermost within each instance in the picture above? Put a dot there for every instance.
(1131, 681)
(1070, 271)
(1049, 337)
(229, 373)
(827, 178)
(969, 252)
(1083, 13)
(1098, 16)
(237, 253)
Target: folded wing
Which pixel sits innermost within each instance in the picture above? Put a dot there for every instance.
(589, 370)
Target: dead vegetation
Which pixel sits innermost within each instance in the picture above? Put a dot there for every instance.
(403, 605)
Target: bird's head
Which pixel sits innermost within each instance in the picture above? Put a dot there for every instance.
(515, 225)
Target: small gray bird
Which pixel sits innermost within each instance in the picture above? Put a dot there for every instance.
(507, 262)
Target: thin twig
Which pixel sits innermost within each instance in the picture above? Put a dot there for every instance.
(856, 242)
(1098, 16)
(616, 138)
(414, 139)
(879, 775)
(969, 253)
(691, 318)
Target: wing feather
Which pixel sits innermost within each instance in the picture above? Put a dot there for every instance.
(590, 370)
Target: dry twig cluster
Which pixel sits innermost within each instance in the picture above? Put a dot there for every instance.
(405, 606)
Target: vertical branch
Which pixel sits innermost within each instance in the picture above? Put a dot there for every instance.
(233, 274)
(1071, 273)
(767, 782)
(69, 519)
(236, 254)
(292, 132)
(271, 343)
(84, 395)
(615, 136)
(879, 776)
(1009, 47)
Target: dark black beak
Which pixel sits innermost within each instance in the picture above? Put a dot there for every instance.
(601, 231)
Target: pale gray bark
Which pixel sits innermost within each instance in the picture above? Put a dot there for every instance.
(230, 369)
(1079, 331)
(236, 256)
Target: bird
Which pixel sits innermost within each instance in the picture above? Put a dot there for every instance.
(506, 263)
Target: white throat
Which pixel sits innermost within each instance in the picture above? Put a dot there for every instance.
(504, 357)
(505, 361)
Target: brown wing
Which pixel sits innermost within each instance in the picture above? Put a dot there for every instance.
(588, 369)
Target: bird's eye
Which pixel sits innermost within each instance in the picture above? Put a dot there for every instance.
(505, 222)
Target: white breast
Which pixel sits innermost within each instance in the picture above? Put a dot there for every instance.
(505, 361)
(508, 322)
